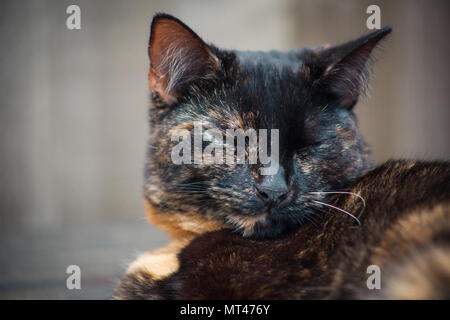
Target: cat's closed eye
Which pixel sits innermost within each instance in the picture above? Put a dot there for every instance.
(303, 149)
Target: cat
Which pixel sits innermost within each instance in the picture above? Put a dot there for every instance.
(308, 95)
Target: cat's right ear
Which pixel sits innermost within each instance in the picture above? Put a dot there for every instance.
(178, 58)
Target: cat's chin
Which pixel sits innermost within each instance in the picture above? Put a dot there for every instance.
(267, 231)
(265, 226)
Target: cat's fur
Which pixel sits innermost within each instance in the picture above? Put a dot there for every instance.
(268, 246)
(405, 231)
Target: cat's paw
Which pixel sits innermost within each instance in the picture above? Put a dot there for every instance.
(142, 279)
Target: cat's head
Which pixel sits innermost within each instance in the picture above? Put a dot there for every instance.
(306, 94)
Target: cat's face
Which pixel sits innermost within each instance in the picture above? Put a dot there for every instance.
(307, 95)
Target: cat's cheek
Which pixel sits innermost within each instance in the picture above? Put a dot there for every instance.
(182, 225)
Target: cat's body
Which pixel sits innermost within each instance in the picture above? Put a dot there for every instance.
(405, 231)
(285, 235)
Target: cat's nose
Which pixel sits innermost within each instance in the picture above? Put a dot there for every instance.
(273, 187)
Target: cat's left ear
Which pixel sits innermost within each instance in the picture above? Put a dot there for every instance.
(344, 68)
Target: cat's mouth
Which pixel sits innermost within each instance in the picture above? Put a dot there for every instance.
(266, 213)
(261, 215)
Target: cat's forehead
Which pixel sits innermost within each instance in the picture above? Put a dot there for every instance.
(273, 59)
(270, 85)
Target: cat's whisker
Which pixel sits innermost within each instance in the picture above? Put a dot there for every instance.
(339, 209)
(324, 108)
(293, 212)
(310, 219)
(190, 192)
(345, 192)
(192, 184)
(189, 188)
(236, 195)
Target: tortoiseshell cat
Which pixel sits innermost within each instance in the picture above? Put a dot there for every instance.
(280, 235)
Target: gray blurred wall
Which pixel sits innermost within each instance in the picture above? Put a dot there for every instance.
(73, 117)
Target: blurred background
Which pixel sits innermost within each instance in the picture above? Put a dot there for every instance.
(73, 117)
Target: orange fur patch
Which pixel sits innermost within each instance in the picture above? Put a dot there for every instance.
(182, 225)
(161, 262)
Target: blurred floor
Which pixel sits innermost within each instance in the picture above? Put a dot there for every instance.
(34, 262)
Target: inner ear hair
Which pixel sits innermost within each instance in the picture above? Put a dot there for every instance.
(178, 57)
(346, 68)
